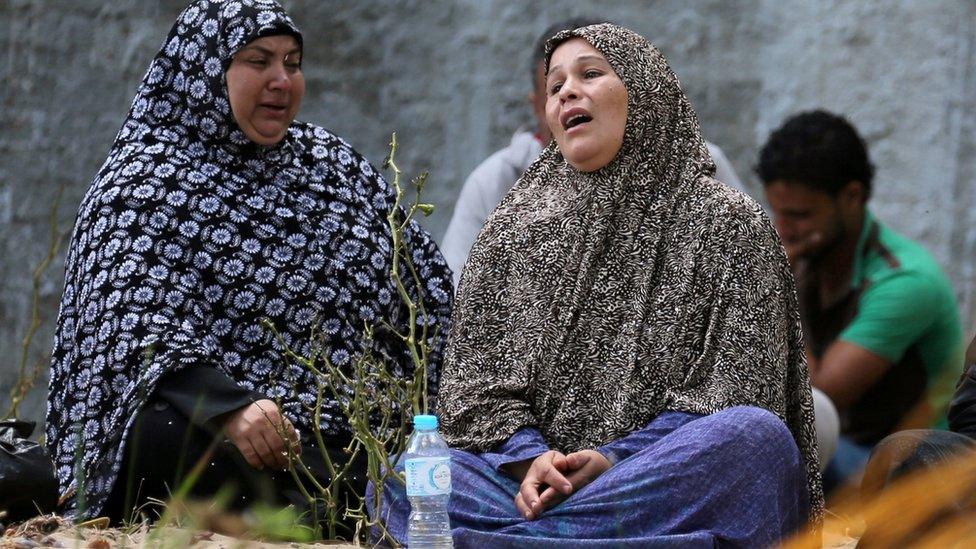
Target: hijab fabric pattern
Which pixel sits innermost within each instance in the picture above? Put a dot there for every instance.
(190, 234)
(592, 302)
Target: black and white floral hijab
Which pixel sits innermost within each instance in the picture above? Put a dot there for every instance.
(190, 234)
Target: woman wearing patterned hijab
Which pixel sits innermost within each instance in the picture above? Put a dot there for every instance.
(213, 211)
(625, 359)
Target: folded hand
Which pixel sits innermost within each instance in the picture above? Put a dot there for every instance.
(580, 468)
(557, 476)
(542, 475)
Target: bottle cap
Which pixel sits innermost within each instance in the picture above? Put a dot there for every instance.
(425, 422)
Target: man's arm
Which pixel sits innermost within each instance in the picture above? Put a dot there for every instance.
(892, 314)
(846, 371)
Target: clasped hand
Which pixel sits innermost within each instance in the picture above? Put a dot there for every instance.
(553, 477)
(261, 433)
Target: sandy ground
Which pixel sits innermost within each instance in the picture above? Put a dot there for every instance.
(167, 538)
(56, 532)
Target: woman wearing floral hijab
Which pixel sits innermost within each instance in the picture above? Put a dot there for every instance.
(625, 366)
(213, 211)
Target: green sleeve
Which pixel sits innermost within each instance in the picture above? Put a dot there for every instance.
(893, 313)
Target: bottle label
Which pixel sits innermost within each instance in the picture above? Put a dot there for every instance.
(428, 476)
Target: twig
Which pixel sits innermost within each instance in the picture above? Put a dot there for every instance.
(375, 402)
(27, 379)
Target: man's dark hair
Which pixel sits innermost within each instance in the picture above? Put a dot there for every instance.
(818, 149)
(539, 51)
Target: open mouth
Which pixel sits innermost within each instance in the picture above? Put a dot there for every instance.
(577, 120)
(576, 116)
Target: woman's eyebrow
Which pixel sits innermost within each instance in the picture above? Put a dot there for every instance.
(266, 51)
(258, 49)
(585, 57)
(590, 57)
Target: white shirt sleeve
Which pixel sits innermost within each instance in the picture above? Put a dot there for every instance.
(481, 193)
(469, 217)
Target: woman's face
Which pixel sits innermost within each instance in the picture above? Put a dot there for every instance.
(266, 86)
(586, 107)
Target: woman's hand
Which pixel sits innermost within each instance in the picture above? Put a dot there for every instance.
(256, 430)
(580, 468)
(542, 474)
(518, 469)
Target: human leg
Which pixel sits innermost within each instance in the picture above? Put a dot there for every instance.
(733, 478)
(481, 498)
(163, 447)
(847, 465)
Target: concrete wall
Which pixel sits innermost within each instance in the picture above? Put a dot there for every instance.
(451, 78)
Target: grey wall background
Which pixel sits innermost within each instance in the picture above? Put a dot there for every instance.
(452, 77)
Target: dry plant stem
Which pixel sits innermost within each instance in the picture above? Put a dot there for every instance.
(376, 404)
(331, 379)
(26, 379)
(397, 229)
(297, 469)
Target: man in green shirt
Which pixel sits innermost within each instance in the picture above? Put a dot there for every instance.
(879, 316)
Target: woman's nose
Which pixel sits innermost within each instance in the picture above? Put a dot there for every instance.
(568, 90)
(281, 79)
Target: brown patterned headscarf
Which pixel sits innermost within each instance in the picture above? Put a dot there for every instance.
(592, 302)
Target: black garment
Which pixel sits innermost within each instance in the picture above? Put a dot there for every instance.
(204, 394)
(962, 409)
(181, 426)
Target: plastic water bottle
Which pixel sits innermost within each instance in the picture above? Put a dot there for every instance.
(428, 468)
